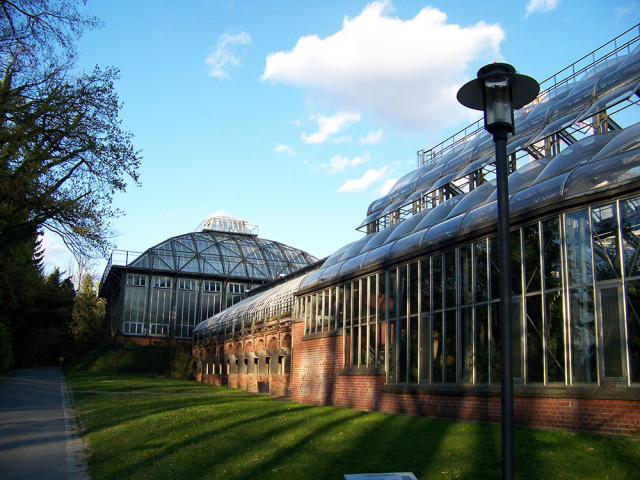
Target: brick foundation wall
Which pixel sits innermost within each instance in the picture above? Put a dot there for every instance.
(316, 379)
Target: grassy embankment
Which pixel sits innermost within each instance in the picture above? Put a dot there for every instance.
(176, 428)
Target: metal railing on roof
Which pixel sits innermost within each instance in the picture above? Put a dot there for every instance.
(622, 44)
(120, 258)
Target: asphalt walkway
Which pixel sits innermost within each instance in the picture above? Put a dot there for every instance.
(38, 435)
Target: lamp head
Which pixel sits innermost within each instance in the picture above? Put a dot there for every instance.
(497, 91)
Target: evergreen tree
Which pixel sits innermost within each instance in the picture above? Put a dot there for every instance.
(88, 328)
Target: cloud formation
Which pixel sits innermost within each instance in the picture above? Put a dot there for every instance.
(328, 126)
(339, 164)
(386, 186)
(285, 149)
(362, 183)
(403, 72)
(224, 54)
(372, 138)
(541, 6)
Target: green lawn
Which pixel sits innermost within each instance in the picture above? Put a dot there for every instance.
(188, 430)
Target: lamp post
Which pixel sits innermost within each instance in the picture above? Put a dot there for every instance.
(497, 91)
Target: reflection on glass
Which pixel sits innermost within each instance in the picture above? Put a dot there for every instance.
(555, 337)
(466, 345)
(630, 220)
(392, 351)
(426, 349)
(578, 239)
(494, 271)
(436, 338)
(436, 299)
(496, 363)
(551, 253)
(450, 279)
(450, 344)
(413, 350)
(425, 285)
(614, 354)
(402, 291)
(466, 276)
(480, 252)
(413, 288)
(633, 329)
(482, 344)
(516, 263)
(531, 258)
(605, 242)
(535, 357)
(392, 293)
(583, 336)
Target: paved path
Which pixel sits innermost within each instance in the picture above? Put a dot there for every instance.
(37, 438)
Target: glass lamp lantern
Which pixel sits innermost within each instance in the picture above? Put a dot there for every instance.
(497, 91)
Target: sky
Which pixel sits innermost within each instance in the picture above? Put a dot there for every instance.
(296, 115)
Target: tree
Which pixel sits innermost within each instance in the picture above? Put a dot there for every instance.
(63, 153)
(88, 329)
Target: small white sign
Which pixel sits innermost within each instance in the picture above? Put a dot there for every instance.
(381, 476)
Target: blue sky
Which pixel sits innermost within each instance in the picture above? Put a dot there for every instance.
(297, 115)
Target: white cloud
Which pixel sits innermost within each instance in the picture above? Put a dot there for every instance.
(372, 138)
(362, 183)
(224, 55)
(296, 122)
(339, 164)
(219, 213)
(403, 72)
(386, 186)
(541, 6)
(328, 126)
(285, 149)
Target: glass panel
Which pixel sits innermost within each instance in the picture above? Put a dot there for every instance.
(392, 293)
(535, 357)
(425, 285)
(392, 352)
(578, 247)
(402, 348)
(531, 237)
(583, 336)
(466, 276)
(339, 306)
(555, 337)
(516, 263)
(437, 336)
(382, 305)
(450, 326)
(355, 290)
(633, 328)
(363, 345)
(402, 291)
(413, 288)
(614, 356)
(450, 279)
(413, 349)
(494, 271)
(466, 345)
(551, 253)
(480, 252)
(630, 219)
(605, 242)
(325, 311)
(482, 344)
(518, 340)
(426, 349)
(436, 299)
(496, 364)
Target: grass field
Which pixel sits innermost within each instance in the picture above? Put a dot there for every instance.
(149, 427)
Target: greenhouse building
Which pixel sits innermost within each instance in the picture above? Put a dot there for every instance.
(170, 288)
(406, 318)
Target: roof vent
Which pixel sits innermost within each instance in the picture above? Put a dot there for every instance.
(221, 223)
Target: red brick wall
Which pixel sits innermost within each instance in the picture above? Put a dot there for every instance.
(315, 379)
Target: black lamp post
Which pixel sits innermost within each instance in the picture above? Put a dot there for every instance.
(497, 91)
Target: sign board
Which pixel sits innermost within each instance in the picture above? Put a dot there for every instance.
(381, 476)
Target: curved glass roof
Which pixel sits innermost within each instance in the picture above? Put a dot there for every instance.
(260, 307)
(595, 164)
(224, 254)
